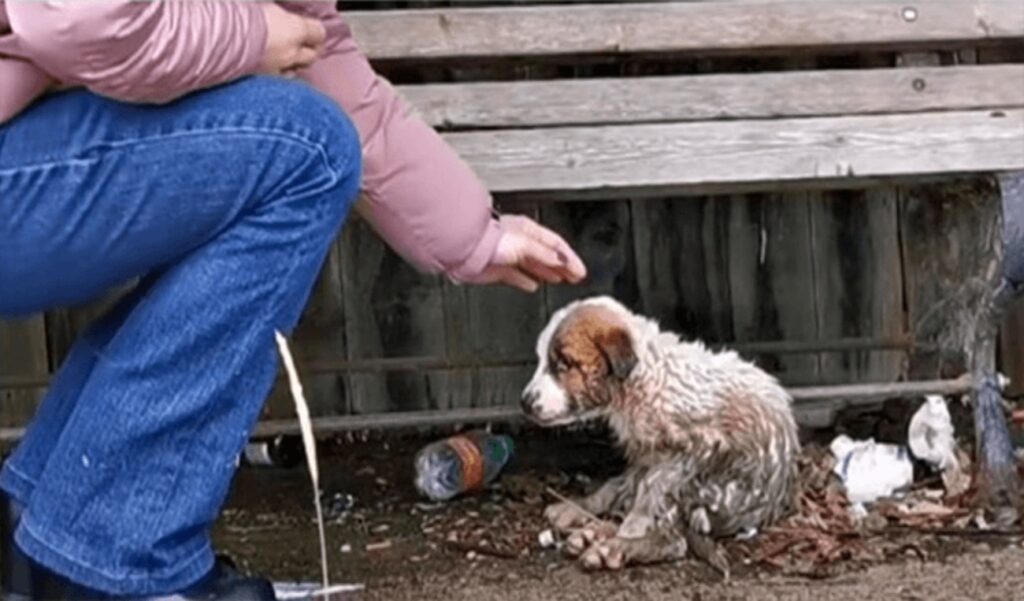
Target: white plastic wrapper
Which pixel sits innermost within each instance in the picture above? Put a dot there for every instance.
(930, 435)
(871, 471)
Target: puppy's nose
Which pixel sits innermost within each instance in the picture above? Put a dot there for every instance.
(527, 401)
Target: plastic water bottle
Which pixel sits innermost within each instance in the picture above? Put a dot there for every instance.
(464, 463)
(280, 452)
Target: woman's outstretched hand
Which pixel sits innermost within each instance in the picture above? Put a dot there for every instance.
(294, 42)
(529, 254)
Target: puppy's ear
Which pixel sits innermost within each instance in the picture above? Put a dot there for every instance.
(617, 347)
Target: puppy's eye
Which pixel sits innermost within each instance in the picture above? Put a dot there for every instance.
(559, 365)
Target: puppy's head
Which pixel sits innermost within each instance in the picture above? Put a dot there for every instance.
(585, 354)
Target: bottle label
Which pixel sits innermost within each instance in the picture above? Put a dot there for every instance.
(472, 462)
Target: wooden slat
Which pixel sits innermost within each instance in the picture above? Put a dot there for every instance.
(678, 27)
(708, 97)
(858, 285)
(22, 353)
(701, 156)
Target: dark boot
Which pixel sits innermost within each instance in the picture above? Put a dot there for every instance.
(25, 580)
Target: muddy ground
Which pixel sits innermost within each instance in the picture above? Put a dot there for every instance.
(486, 547)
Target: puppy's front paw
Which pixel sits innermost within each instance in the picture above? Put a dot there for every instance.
(582, 539)
(616, 552)
(565, 517)
(610, 554)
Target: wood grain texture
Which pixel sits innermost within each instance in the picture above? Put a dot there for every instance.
(858, 280)
(682, 259)
(695, 155)
(677, 27)
(391, 310)
(948, 232)
(770, 254)
(715, 97)
(22, 352)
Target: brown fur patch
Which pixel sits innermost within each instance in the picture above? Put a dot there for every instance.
(589, 352)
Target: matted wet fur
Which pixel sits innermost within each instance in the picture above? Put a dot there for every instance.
(709, 437)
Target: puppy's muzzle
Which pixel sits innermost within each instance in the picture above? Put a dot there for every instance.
(528, 402)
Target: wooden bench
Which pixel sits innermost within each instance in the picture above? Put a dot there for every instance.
(920, 107)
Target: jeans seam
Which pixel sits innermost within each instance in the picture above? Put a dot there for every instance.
(27, 526)
(20, 474)
(285, 136)
(84, 159)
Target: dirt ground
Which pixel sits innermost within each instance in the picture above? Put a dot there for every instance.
(486, 547)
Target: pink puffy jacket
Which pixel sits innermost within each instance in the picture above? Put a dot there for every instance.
(418, 194)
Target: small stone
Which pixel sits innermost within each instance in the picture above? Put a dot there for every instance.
(471, 555)
(546, 539)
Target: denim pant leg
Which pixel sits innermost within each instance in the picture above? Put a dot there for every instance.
(23, 470)
(229, 198)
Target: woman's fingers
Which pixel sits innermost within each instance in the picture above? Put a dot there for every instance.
(512, 276)
(565, 260)
(315, 34)
(293, 42)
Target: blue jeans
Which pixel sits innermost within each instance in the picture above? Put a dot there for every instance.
(225, 204)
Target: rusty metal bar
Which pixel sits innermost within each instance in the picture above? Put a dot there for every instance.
(852, 394)
(400, 364)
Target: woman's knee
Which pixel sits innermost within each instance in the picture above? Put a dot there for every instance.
(297, 108)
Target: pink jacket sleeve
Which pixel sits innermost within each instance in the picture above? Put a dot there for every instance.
(417, 193)
(141, 51)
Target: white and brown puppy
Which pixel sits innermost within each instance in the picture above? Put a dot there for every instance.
(710, 438)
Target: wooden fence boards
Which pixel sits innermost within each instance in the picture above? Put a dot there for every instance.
(452, 33)
(697, 156)
(719, 96)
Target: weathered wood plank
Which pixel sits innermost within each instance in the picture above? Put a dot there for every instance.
(714, 97)
(22, 352)
(858, 283)
(770, 268)
(695, 156)
(391, 310)
(681, 248)
(632, 27)
(947, 232)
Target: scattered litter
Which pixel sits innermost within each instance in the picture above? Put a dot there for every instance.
(870, 471)
(379, 546)
(346, 548)
(380, 529)
(931, 439)
(337, 504)
(546, 539)
(308, 590)
(930, 435)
